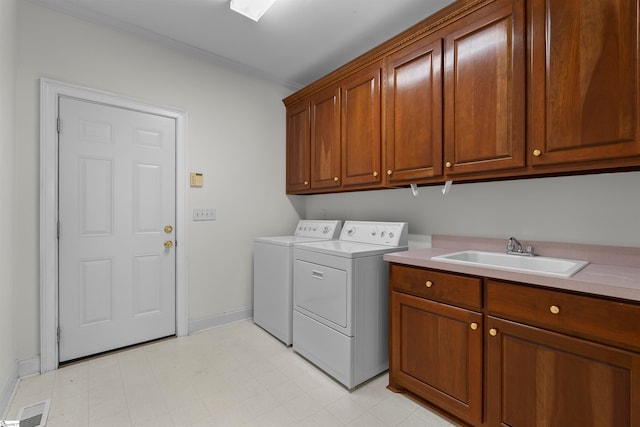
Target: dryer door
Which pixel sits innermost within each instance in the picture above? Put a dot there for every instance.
(323, 293)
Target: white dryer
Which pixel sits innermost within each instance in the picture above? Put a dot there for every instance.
(273, 275)
(340, 311)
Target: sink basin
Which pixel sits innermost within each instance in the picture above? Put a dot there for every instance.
(557, 267)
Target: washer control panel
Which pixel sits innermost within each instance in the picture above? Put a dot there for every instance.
(322, 229)
(377, 233)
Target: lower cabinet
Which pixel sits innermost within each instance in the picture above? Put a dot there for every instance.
(494, 353)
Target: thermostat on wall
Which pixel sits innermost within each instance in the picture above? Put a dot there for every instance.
(196, 179)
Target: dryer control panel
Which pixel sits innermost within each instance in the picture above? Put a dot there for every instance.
(322, 229)
(377, 233)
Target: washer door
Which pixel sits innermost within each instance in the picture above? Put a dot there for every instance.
(322, 292)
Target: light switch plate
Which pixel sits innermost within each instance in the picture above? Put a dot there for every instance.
(204, 214)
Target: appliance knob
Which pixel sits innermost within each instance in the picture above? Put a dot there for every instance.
(351, 231)
(382, 233)
(391, 234)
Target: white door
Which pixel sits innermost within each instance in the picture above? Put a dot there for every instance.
(117, 214)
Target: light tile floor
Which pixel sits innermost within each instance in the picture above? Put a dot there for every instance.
(234, 375)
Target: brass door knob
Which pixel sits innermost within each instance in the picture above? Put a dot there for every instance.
(448, 164)
(429, 284)
(336, 179)
(493, 332)
(474, 326)
(168, 229)
(537, 153)
(554, 309)
(168, 244)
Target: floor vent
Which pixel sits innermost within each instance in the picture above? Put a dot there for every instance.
(34, 415)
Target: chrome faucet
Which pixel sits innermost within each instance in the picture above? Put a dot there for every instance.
(514, 247)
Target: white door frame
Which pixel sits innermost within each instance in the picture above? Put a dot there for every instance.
(50, 90)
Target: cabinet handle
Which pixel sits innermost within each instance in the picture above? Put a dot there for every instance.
(448, 164)
(336, 179)
(306, 183)
(474, 326)
(429, 283)
(375, 173)
(493, 332)
(537, 153)
(554, 309)
(389, 172)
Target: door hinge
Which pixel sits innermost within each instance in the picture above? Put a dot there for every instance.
(58, 334)
(58, 125)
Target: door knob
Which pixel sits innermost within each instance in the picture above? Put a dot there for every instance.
(168, 229)
(168, 244)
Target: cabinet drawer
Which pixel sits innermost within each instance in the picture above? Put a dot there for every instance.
(601, 320)
(449, 288)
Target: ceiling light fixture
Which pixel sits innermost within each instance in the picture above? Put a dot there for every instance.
(253, 9)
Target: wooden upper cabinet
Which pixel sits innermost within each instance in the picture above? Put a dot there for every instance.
(361, 128)
(325, 139)
(584, 92)
(413, 112)
(298, 148)
(485, 90)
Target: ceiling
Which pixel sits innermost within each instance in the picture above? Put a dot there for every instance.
(295, 43)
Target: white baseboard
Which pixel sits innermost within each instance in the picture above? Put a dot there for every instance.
(220, 319)
(7, 390)
(28, 366)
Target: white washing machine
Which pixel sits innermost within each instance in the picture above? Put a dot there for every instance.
(340, 309)
(273, 275)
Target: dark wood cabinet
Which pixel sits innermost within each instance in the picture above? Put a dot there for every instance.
(484, 90)
(325, 139)
(501, 354)
(413, 112)
(585, 88)
(541, 378)
(436, 348)
(298, 148)
(361, 128)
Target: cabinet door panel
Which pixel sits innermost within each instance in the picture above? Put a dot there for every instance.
(584, 90)
(484, 91)
(298, 148)
(325, 139)
(361, 130)
(436, 354)
(536, 377)
(414, 112)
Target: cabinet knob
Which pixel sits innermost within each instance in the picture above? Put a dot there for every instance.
(448, 164)
(554, 309)
(537, 153)
(493, 332)
(375, 173)
(336, 179)
(474, 326)
(389, 172)
(429, 284)
(306, 183)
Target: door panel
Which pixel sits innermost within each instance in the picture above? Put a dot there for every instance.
(117, 192)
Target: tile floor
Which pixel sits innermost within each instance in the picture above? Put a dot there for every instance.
(234, 375)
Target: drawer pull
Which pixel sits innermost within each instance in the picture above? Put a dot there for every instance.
(429, 284)
(493, 332)
(474, 326)
(554, 309)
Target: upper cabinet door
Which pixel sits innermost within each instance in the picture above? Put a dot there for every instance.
(361, 128)
(584, 80)
(325, 139)
(298, 148)
(414, 112)
(485, 90)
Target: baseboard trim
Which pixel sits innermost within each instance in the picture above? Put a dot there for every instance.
(27, 367)
(7, 391)
(220, 319)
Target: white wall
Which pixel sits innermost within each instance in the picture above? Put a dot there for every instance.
(599, 209)
(8, 43)
(236, 138)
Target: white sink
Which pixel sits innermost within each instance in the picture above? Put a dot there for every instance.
(523, 264)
